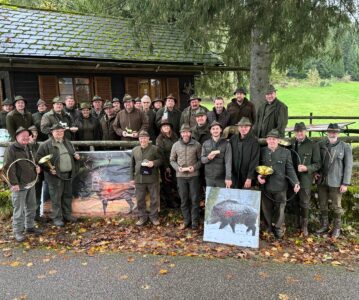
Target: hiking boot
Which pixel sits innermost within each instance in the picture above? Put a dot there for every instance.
(325, 226)
(34, 230)
(59, 223)
(19, 237)
(183, 226)
(336, 229)
(142, 221)
(155, 221)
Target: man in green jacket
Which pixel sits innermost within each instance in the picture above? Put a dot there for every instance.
(334, 177)
(306, 161)
(188, 115)
(274, 193)
(59, 178)
(7, 107)
(36, 117)
(146, 160)
(200, 132)
(19, 117)
(273, 114)
(20, 174)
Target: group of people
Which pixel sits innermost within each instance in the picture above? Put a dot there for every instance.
(179, 154)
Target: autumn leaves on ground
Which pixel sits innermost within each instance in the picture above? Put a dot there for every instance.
(119, 234)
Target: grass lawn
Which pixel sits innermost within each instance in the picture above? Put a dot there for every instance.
(339, 99)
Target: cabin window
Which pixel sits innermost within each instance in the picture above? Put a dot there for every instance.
(78, 87)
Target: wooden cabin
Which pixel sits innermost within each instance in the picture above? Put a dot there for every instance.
(47, 53)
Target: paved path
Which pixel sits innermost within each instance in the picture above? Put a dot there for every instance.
(126, 276)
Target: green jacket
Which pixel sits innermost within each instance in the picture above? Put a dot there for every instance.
(308, 154)
(14, 120)
(281, 162)
(36, 117)
(22, 172)
(50, 118)
(3, 115)
(151, 153)
(174, 117)
(271, 116)
(237, 112)
(201, 133)
(165, 144)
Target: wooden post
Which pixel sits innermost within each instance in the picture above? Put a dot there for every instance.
(310, 122)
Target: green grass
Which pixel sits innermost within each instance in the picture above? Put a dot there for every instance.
(338, 99)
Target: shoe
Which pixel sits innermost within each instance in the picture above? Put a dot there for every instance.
(141, 222)
(19, 237)
(325, 226)
(183, 226)
(70, 219)
(155, 222)
(195, 227)
(59, 223)
(39, 219)
(34, 230)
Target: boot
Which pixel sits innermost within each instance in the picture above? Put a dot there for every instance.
(325, 225)
(336, 228)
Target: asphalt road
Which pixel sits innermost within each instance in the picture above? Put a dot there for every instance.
(41, 274)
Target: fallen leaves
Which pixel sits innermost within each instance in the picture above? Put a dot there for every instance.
(163, 272)
(15, 264)
(283, 297)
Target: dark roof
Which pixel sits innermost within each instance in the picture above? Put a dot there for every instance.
(28, 32)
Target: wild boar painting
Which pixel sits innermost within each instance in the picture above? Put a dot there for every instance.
(232, 217)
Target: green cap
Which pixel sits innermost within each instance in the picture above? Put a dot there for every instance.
(127, 98)
(18, 98)
(244, 122)
(185, 127)
(57, 100)
(21, 129)
(7, 102)
(273, 133)
(108, 104)
(96, 98)
(85, 105)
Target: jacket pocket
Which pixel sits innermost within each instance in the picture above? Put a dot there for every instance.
(340, 155)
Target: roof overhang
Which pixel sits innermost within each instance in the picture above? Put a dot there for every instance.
(16, 62)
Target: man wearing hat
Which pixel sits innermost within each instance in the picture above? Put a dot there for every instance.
(97, 111)
(57, 116)
(333, 177)
(88, 127)
(245, 159)
(240, 107)
(189, 113)
(200, 132)
(169, 113)
(274, 193)
(146, 160)
(60, 177)
(151, 116)
(36, 117)
(218, 113)
(185, 158)
(108, 134)
(217, 158)
(116, 105)
(138, 103)
(19, 117)
(157, 104)
(20, 174)
(129, 121)
(306, 161)
(7, 106)
(272, 114)
(70, 108)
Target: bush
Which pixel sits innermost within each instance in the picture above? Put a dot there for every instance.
(5, 204)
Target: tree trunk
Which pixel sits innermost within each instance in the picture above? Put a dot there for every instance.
(261, 61)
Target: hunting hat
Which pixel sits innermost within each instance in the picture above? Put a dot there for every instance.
(194, 97)
(200, 112)
(96, 98)
(170, 96)
(143, 133)
(333, 127)
(85, 105)
(166, 122)
(40, 102)
(185, 127)
(270, 89)
(57, 126)
(21, 129)
(215, 123)
(108, 104)
(127, 98)
(138, 99)
(115, 100)
(300, 126)
(18, 98)
(7, 102)
(273, 133)
(57, 100)
(244, 121)
(241, 90)
(33, 128)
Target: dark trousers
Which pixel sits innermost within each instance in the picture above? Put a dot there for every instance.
(215, 182)
(61, 196)
(154, 190)
(327, 192)
(169, 193)
(188, 189)
(301, 202)
(276, 207)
